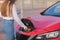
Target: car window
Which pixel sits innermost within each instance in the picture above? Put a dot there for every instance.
(53, 10)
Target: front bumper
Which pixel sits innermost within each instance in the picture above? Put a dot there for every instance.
(21, 37)
(24, 37)
(58, 38)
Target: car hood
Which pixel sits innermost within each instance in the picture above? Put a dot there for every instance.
(40, 21)
(42, 24)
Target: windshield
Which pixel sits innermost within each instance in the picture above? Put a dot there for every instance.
(54, 10)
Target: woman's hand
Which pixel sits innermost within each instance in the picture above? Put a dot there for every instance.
(27, 29)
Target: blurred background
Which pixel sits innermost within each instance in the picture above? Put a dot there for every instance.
(28, 7)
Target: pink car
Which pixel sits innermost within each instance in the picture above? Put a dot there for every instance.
(43, 26)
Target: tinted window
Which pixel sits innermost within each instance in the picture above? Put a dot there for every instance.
(53, 10)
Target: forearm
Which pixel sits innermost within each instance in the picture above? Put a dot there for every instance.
(16, 18)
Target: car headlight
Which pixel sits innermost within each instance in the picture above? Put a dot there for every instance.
(49, 35)
(52, 34)
(45, 36)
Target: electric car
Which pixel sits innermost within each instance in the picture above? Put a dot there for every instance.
(43, 26)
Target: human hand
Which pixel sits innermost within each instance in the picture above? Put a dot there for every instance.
(27, 29)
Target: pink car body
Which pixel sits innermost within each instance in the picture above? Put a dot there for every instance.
(42, 24)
